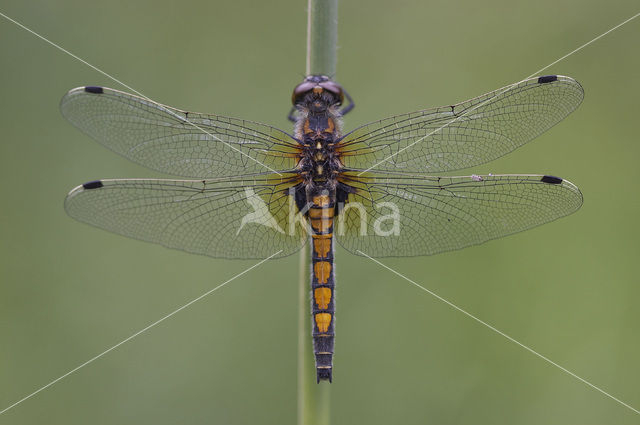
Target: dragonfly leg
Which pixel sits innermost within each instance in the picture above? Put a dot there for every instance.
(350, 106)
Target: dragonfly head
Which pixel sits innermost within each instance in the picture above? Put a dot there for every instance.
(318, 92)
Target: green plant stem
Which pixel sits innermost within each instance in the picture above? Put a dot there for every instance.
(322, 37)
(313, 398)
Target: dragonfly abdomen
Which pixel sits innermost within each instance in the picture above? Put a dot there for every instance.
(321, 215)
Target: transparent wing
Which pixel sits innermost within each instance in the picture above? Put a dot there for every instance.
(226, 218)
(419, 215)
(176, 142)
(477, 130)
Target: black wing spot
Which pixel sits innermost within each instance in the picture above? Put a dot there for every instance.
(551, 179)
(547, 79)
(96, 184)
(94, 89)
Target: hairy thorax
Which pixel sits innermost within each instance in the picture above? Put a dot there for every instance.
(319, 128)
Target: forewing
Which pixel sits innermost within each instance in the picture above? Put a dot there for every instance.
(437, 214)
(176, 142)
(463, 135)
(227, 218)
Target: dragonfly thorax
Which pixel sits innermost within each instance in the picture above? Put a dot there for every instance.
(318, 134)
(319, 163)
(318, 128)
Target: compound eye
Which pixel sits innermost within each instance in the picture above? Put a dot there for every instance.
(301, 89)
(334, 88)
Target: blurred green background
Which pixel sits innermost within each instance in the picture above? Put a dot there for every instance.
(568, 289)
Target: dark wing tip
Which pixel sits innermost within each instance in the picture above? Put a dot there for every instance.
(95, 184)
(547, 79)
(94, 89)
(551, 179)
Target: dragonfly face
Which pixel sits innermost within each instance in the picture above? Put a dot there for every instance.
(317, 85)
(254, 191)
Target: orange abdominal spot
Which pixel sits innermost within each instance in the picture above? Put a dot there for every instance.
(321, 225)
(323, 297)
(321, 200)
(322, 271)
(323, 320)
(322, 247)
(321, 212)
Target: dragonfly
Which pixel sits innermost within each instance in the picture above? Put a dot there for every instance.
(251, 191)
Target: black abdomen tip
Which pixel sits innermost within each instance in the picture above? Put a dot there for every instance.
(96, 184)
(547, 79)
(551, 179)
(324, 374)
(94, 89)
